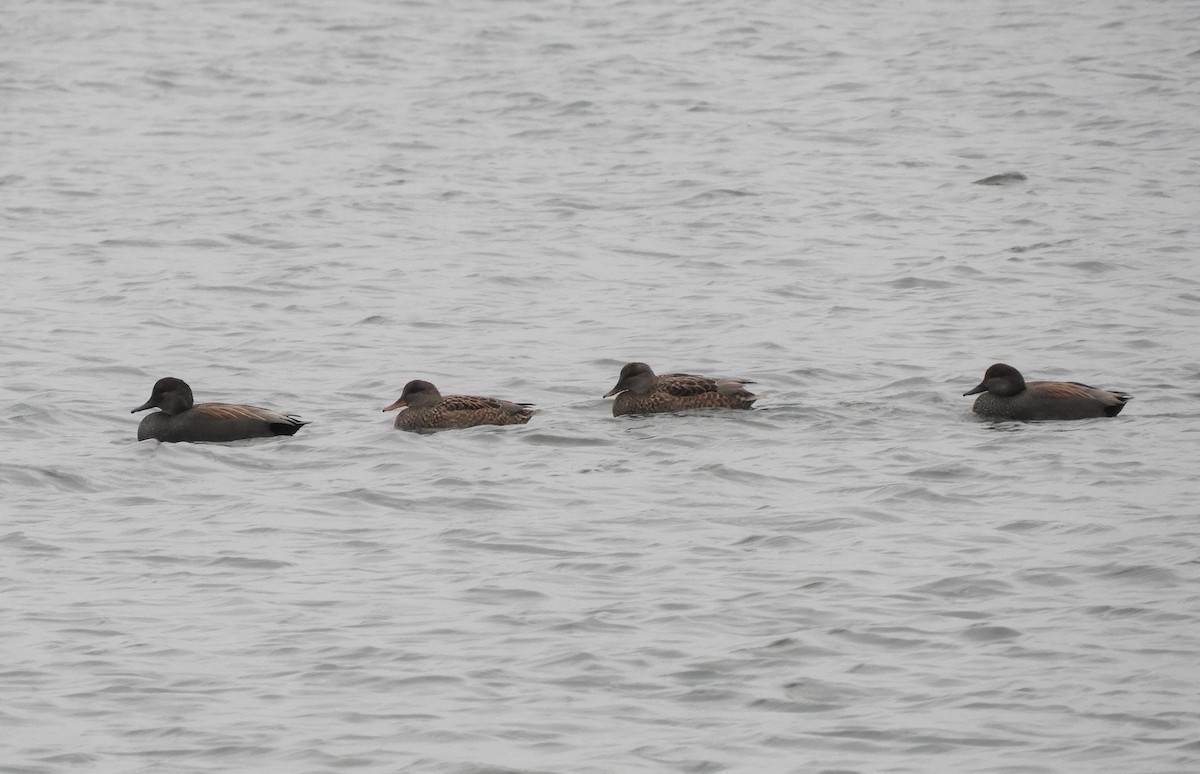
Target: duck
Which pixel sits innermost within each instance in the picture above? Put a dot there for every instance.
(1004, 393)
(179, 418)
(428, 409)
(640, 391)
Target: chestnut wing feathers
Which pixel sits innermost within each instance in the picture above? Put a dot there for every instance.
(1063, 390)
(230, 411)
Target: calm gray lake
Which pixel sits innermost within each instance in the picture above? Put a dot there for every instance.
(304, 205)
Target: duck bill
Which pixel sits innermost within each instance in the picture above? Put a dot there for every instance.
(981, 387)
(400, 403)
(614, 391)
(147, 405)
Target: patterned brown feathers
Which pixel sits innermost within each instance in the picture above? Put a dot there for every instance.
(640, 391)
(428, 409)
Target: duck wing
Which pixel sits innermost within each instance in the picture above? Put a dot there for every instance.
(685, 385)
(1062, 390)
(281, 424)
(1110, 402)
(479, 403)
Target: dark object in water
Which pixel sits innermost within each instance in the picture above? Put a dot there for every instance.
(180, 420)
(1004, 178)
(1007, 395)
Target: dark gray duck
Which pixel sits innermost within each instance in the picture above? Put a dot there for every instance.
(640, 391)
(1007, 395)
(180, 419)
(428, 409)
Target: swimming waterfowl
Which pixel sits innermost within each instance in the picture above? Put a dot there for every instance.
(428, 409)
(178, 419)
(1006, 394)
(640, 391)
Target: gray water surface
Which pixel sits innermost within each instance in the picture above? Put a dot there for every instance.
(304, 205)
